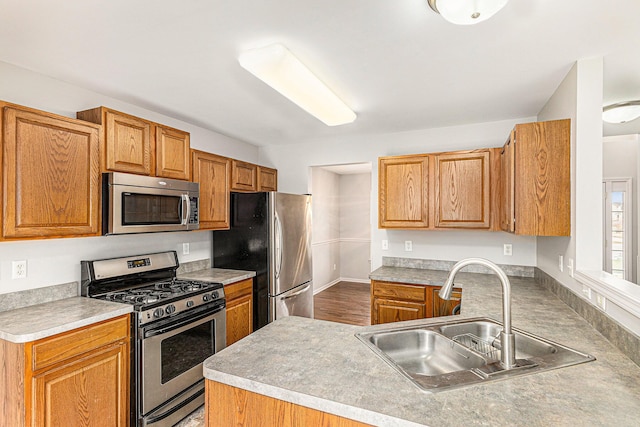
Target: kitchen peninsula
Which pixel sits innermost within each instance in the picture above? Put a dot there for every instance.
(323, 366)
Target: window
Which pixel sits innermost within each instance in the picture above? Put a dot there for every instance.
(617, 227)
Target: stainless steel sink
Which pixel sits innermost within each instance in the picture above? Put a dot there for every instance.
(457, 353)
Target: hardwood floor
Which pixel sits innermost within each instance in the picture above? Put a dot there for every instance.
(344, 302)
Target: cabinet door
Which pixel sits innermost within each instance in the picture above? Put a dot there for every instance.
(543, 182)
(51, 175)
(267, 179)
(387, 311)
(172, 153)
(128, 146)
(507, 207)
(462, 197)
(239, 310)
(403, 192)
(243, 176)
(88, 392)
(212, 173)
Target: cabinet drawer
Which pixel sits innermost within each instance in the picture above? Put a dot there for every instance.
(238, 289)
(399, 291)
(49, 351)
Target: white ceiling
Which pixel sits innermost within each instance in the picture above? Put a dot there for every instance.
(399, 65)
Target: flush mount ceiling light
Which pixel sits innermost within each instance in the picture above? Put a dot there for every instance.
(621, 112)
(278, 68)
(467, 12)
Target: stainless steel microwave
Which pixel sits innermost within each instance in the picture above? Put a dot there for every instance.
(146, 204)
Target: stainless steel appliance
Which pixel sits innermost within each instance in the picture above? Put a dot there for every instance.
(270, 234)
(146, 204)
(176, 325)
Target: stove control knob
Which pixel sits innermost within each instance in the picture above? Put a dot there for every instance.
(158, 313)
(170, 309)
(206, 297)
(189, 304)
(215, 295)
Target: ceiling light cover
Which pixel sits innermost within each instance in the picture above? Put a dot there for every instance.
(621, 112)
(278, 68)
(467, 12)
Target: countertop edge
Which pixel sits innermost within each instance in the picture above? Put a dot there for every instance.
(66, 327)
(309, 401)
(219, 275)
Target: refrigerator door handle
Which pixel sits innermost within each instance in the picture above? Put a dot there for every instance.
(279, 243)
(295, 294)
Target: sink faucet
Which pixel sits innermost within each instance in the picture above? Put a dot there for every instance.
(507, 339)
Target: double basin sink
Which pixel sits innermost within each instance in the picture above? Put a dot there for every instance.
(457, 353)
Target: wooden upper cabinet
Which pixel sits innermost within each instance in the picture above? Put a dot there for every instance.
(51, 175)
(267, 179)
(462, 192)
(213, 174)
(538, 161)
(244, 176)
(134, 145)
(172, 153)
(403, 194)
(507, 172)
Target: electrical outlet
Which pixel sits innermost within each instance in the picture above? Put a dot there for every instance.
(18, 269)
(508, 249)
(185, 249)
(570, 267)
(586, 291)
(601, 302)
(408, 245)
(560, 263)
(334, 267)
(385, 245)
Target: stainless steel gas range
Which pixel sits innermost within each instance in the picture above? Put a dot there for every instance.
(176, 325)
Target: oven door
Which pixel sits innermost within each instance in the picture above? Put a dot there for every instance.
(173, 352)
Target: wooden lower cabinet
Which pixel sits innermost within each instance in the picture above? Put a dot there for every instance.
(239, 297)
(77, 378)
(396, 302)
(230, 406)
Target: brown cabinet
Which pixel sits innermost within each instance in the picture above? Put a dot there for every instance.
(51, 175)
(77, 378)
(134, 145)
(462, 196)
(172, 153)
(396, 302)
(403, 191)
(267, 179)
(536, 169)
(213, 174)
(244, 176)
(239, 297)
(231, 406)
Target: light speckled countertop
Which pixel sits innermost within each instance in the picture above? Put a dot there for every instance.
(51, 318)
(218, 275)
(322, 365)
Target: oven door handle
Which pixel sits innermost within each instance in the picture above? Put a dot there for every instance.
(191, 321)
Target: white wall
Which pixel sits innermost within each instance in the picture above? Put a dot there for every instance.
(325, 244)
(293, 162)
(355, 227)
(620, 160)
(55, 261)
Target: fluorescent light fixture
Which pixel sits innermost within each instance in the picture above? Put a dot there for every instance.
(467, 12)
(278, 68)
(621, 112)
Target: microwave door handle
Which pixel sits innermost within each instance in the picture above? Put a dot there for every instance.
(186, 206)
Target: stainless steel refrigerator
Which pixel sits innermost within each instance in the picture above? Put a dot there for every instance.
(270, 234)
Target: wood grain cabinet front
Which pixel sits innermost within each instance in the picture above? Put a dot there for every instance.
(134, 145)
(51, 175)
(77, 378)
(267, 179)
(396, 302)
(239, 310)
(536, 169)
(213, 173)
(244, 176)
